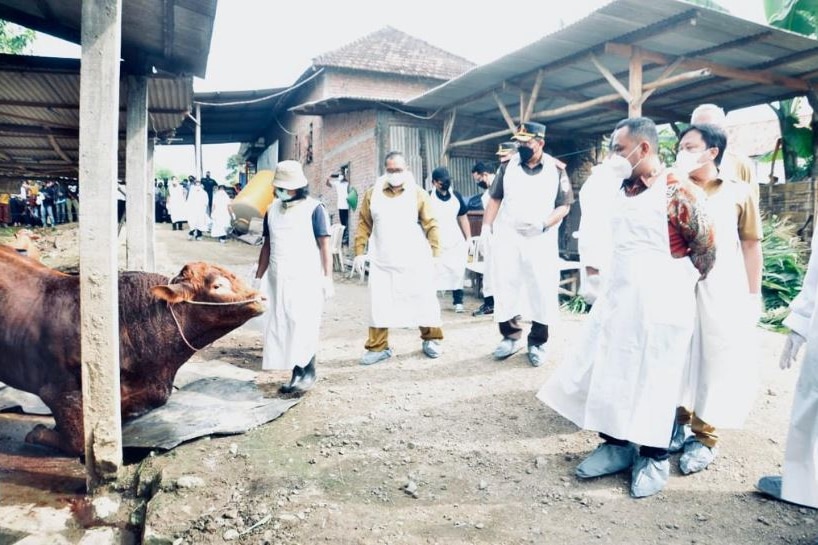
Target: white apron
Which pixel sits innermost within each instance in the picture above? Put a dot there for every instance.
(723, 368)
(401, 272)
(220, 214)
(800, 476)
(625, 374)
(295, 287)
(176, 203)
(451, 265)
(196, 209)
(524, 269)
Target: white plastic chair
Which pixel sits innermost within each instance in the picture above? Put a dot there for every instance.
(336, 241)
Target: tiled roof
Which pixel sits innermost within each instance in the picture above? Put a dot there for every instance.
(391, 51)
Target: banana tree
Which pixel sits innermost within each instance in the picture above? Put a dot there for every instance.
(799, 16)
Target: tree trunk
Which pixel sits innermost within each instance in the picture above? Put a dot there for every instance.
(812, 98)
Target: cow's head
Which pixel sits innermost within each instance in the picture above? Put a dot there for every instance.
(216, 294)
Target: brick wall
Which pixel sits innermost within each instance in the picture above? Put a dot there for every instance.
(357, 83)
(794, 201)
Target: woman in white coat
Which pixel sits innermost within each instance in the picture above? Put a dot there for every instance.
(799, 482)
(297, 259)
(220, 214)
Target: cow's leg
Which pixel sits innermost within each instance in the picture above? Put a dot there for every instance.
(67, 435)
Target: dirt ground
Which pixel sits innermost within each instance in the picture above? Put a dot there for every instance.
(450, 451)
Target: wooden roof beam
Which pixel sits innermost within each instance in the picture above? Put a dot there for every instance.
(169, 28)
(56, 146)
(758, 76)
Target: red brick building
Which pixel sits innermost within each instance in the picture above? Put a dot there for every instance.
(345, 113)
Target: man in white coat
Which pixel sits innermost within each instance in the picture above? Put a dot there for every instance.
(723, 371)
(397, 222)
(450, 210)
(626, 372)
(298, 261)
(798, 483)
(536, 194)
(196, 210)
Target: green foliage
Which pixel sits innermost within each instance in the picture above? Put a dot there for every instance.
(576, 305)
(799, 16)
(784, 269)
(14, 39)
(235, 164)
(163, 173)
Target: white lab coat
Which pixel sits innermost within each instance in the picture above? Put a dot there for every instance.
(451, 264)
(524, 269)
(296, 296)
(723, 369)
(220, 214)
(624, 377)
(176, 203)
(197, 208)
(401, 271)
(594, 240)
(800, 476)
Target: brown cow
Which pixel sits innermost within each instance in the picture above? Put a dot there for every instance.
(161, 325)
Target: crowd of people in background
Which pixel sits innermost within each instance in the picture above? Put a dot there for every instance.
(40, 204)
(204, 205)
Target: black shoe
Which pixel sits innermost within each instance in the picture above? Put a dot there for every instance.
(307, 380)
(483, 310)
(288, 388)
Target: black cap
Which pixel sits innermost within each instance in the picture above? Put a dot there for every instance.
(506, 148)
(528, 131)
(441, 174)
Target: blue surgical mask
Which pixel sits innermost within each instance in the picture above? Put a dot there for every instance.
(282, 195)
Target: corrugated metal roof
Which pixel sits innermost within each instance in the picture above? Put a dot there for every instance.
(668, 27)
(391, 51)
(39, 114)
(172, 35)
(342, 104)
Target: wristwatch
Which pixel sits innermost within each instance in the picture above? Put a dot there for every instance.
(545, 228)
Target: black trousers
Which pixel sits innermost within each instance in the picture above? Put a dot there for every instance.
(513, 329)
(343, 215)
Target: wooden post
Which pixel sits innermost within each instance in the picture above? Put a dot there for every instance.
(99, 297)
(136, 174)
(448, 128)
(150, 223)
(635, 84)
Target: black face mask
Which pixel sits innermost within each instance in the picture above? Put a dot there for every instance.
(444, 186)
(526, 154)
(482, 185)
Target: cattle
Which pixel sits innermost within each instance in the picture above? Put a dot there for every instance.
(162, 323)
(24, 243)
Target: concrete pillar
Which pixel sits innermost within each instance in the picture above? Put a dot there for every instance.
(136, 174)
(150, 264)
(99, 296)
(197, 148)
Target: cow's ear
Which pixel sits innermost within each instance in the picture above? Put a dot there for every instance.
(172, 293)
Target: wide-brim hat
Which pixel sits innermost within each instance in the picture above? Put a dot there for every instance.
(506, 148)
(529, 131)
(289, 175)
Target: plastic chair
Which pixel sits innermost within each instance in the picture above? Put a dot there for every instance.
(336, 241)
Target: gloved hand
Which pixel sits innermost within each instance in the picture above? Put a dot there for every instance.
(530, 229)
(358, 264)
(328, 287)
(791, 348)
(256, 283)
(484, 240)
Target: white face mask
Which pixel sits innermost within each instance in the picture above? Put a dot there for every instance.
(282, 195)
(688, 161)
(620, 166)
(399, 178)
